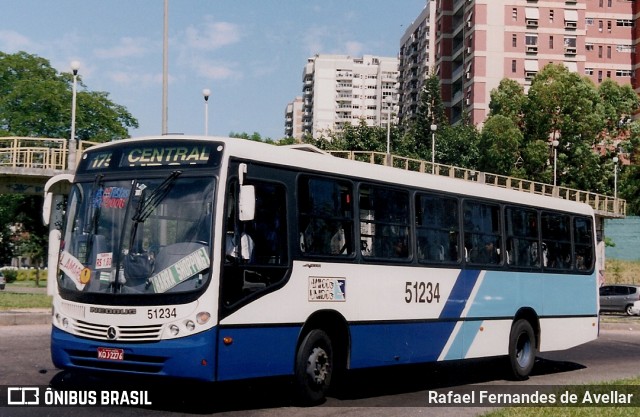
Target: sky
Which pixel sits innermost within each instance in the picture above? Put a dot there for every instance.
(249, 53)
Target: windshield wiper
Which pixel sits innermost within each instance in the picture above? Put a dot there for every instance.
(91, 226)
(148, 204)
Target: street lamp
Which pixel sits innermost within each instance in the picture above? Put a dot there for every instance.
(71, 158)
(434, 127)
(206, 93)
(388, 100)
(615, 177)
(555, 144)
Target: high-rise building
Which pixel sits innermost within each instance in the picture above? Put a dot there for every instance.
(339, 89)
(293, 119)
(415, 59)
(477, 43)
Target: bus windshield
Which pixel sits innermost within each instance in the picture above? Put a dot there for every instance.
(142, 236)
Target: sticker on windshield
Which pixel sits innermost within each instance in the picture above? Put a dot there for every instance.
(103, 260)
(185, 268)
(111, 197)
(71, 266)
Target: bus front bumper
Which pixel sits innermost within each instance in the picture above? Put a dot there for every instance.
(189, 357)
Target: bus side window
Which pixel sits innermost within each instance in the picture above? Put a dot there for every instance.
(556, 237)
(325, 223)
(521, 226)
(384, 222)
(437, 228)
(583, 241)
(482, 234)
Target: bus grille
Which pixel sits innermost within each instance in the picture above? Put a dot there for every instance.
(148, 333)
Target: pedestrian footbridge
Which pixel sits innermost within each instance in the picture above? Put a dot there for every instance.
(27, 163)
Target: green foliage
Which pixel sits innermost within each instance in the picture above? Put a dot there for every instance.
(26, 275)
(500, 142)
(11, 275)
(9, 210)
(564, 106)
(23, 300)
(35, 100)
(508, 100)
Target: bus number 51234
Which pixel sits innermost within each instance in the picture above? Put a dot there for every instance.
(421, 292)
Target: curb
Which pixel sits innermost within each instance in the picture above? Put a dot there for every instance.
(25, 317)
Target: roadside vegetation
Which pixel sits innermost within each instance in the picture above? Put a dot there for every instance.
(622, 272)
(13, 300)
(25, 289)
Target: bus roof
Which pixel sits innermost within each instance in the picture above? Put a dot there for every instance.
(308, 157)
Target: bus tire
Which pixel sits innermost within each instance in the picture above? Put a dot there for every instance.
(522, 349)
(313, 367)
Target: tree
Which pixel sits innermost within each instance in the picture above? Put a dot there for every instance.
(9, 210)
(430, 112)
(457, 145)
(630, 175)
(500, 141)
(566, 107)
(509, 100)
(619, 104)
(35, 100)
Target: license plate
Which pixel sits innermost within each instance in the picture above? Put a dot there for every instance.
(110, 354)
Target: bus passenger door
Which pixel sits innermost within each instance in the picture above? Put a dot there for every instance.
(255, 249)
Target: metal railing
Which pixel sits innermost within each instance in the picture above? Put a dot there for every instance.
(37, 153)
(603, 205)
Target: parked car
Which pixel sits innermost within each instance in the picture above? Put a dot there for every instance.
(3, 281)
(635, 308)
(619, 297)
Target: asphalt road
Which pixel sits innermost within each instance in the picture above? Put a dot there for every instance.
(396, 391)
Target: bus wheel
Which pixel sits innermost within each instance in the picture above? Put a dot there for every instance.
(314, 367)
(522, 349)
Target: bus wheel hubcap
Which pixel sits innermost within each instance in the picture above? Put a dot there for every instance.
(523, 351)
(318, 365)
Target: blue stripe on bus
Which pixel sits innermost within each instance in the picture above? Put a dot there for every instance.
(502, 294)
(394, 343)
(463, 340)
(398, 343)
(460, 294)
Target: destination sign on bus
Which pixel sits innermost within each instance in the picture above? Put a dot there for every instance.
(165, 155)
(158, 154)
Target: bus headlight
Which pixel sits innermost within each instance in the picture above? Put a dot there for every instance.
(190, 325)
(174, 330)
(65, 322)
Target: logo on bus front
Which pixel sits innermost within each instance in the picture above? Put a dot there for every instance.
(327, 289)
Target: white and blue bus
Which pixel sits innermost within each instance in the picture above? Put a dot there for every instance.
(221, 259)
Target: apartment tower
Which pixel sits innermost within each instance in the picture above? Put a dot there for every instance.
(339, 89)
(477, 43)
(415, 59)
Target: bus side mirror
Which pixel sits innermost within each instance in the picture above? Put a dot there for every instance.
(247, 197)
(247, 203)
